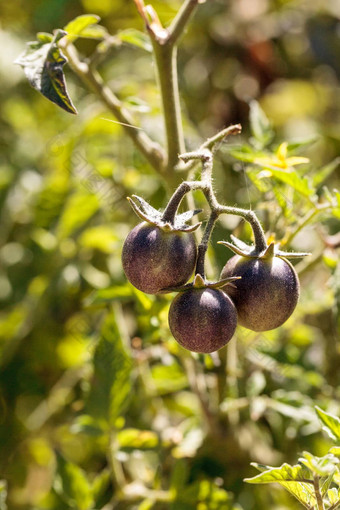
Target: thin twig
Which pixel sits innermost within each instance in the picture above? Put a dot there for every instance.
(210, 143)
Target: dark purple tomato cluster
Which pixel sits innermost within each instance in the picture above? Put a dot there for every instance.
(203, 318)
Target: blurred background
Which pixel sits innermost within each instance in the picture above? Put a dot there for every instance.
(99, 407)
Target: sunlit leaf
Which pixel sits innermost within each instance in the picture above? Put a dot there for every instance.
(331, 424)
(43, 66)
(72, 485)
(79, 208)
(320, 466)
(85, 424)
(333, 495)
(100, 237)
(135, 38)
(84, 26)
(111, 384)
(296, 479)
(324, 172)
(260, 125)
(168, 378)
(292, 178)
(135, 439)
(203, 494)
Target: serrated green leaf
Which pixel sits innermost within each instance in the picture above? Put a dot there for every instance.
(111, 384)
(331, 423)
(135, 439)
(72, 485)
(260, 467)
(320, 466)
(296, 479)
(43, 63)
(284, 473)
(259, 125)
(136, 38)
(292, 178)
(84, 26)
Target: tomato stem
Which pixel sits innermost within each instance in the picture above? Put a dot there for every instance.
(205, 185)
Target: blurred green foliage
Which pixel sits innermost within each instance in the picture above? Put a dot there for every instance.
(98, 403)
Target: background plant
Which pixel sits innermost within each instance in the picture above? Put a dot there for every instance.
(69, 356)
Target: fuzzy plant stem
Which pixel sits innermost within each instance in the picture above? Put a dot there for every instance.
(318, 497)
(166, 64)
(205, 185)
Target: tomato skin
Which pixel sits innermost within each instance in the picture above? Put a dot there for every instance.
(267, 293)
(202, 320)
(154, 259)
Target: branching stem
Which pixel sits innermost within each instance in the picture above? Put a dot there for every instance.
(205, 185)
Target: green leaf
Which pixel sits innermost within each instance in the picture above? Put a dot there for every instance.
(333, 495)
(259, 125)
(294, 146)
(320, 466)
(335, 450)
(110, 294)
(111, 383)
(43, 63)
(202, 494)
(100, 486)
(168, 378)
(72, 485)
(44, 37)
(3, 494)
(325, 172)
(135, 439)
(296, 479)
(292, 178)
(136, 38)
(87, 425)
(246, 153)
(79, 208)
(84, 26)
(331, 423)
(101, 237)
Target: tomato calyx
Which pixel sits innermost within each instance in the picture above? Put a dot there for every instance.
(249, 251)
(202, 283)
(146, 212)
